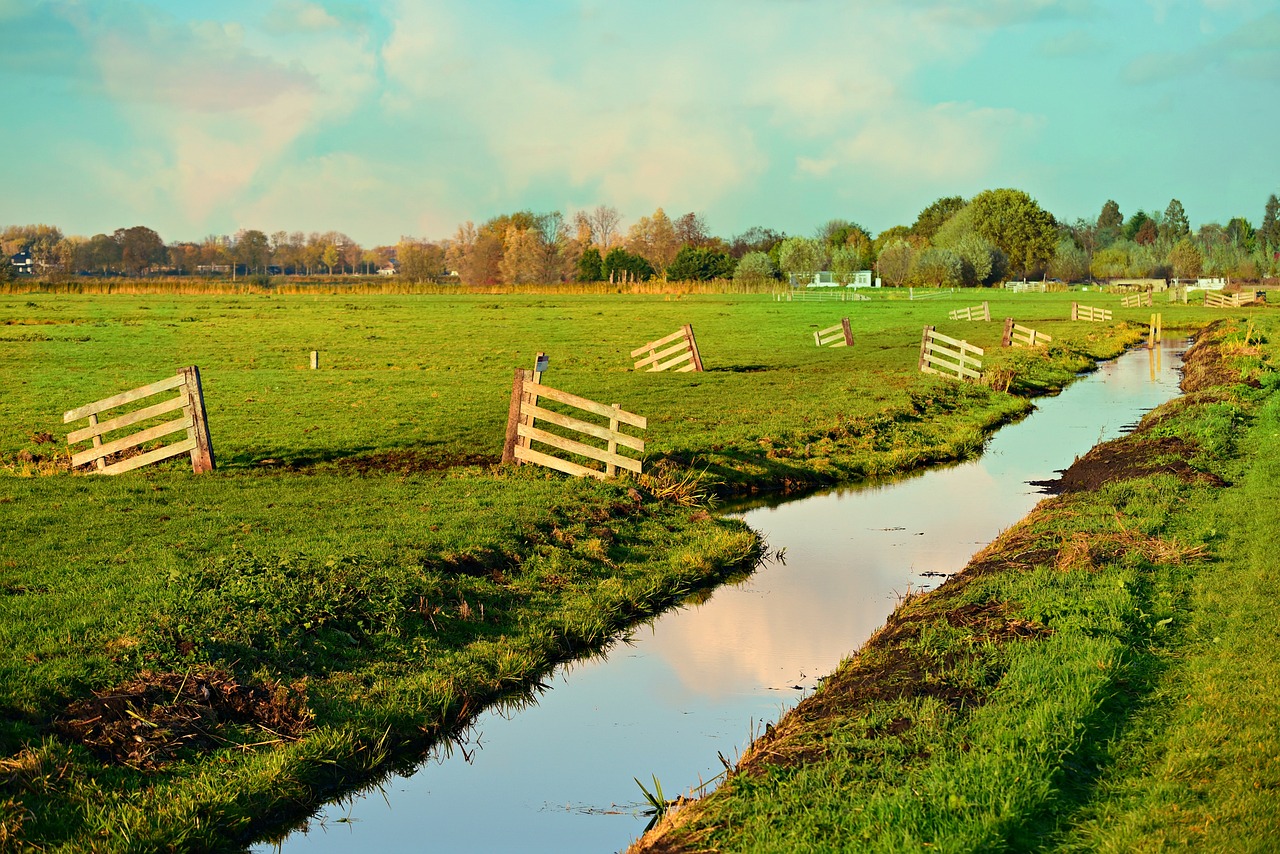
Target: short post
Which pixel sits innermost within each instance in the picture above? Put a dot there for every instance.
(924, 347)
(817, 338)
(1075, 311)
(609, 468)
(539, 365)
(513, 415)
(693, 347)
(202, 459)
(1007, 339)
(315, 359)
(101, 463)
(986, 311)
(848, 331)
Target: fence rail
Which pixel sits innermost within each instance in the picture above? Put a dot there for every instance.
(976, 312)
(1027, 287)
(1016, 335)
(684, 352)
(192, 421)
(820, 295)
(522, 431)
(1088, 312)
(951, 357)
(914, 293)
(840, 335)
(1136, 300)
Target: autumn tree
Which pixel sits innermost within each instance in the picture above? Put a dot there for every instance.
(654, 239)
(936, 267)
(800, 258)
(755, 269)
(521, 262)
(691, 230)
(894, 262)
(252, 250)
(1186, 260)
(755, 239)
(420, 260)
(140, 249)
(1017, 225)
(183, 256)
(604, 220)
(1110, 262)
(931, 218)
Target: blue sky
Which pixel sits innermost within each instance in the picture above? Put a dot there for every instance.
(382, 119)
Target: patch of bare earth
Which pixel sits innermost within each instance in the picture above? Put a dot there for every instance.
(147, 721)
(1129, 458)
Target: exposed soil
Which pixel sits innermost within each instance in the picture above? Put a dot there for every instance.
(1126, 459)
(1205, 365)
(411, 462)
(147, 721)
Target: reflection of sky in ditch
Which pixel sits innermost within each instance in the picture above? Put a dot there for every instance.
(557, 777)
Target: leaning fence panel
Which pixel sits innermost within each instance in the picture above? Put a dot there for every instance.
(840, 335)
(684, 352)
(977, 312)
(951, 357)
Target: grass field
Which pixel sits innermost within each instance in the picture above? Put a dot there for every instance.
(359, 571)
(1101, 678)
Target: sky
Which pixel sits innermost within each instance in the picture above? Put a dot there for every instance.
(408, 117)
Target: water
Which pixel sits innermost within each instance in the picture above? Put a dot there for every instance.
(697, 681)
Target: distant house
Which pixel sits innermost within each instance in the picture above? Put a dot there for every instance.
(389, 269)
(22, 263)
(824, 279)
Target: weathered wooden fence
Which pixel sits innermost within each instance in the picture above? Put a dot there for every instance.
(683, 352)
(1155, 331)
(839, 335)
(976, 312)
(522, 430)
(193, 422)
(820, 295)
(1087, 312)
(1136, 300)
(1027, 287)
(928, 293)
(1216, 299)
(951, 357)
(1016, 335)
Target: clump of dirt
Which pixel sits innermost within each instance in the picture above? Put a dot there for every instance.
(411, 462)
(147, 721)
(1127, 459)
(1205, 366)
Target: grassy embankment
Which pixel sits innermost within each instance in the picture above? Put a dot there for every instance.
(1102, 677)
(358, 577)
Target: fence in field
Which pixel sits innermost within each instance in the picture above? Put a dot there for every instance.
(522, 430)
(1178, 293)
(1136, 300)
(684, 352)
(820, 295)
(1086, 312)
(951, 357)
(1214, 299)
(976, 312)
(1027, 287)
(193, 422)
(928, 293)
(1155, 332)
(1016, 335)
(839, 335)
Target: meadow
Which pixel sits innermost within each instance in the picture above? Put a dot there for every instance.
(359, 576)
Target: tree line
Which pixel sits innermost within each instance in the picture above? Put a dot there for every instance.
(992, 237)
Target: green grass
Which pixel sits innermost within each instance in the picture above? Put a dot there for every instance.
(1102, 678)
(357, 545)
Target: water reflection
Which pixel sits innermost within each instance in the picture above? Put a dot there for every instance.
(558, 775)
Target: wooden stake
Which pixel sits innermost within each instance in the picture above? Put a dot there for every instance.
(202, 459)
(693, 347)
(1075, 311)
(609, 468)
(1007, 339)
(924, 346)
(848, 331)
(986, 311)
(513, 415)
(315, 359)
(97, 442)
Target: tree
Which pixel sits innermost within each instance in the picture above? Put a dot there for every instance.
(978, 259)
(1186, 260)
(654, 239)
(1269, 233)
(1110, 224)
(898, 232)
(140, 249)
(932, 217)
(800, 259)
(1070, 263)
(694, 264)
(330, 256)
(253, 250)
(755, 239)
(102, 254)
(845, 261)
(420, 260)
(1174, 226)
(620, 265)
(754, 268)
(604, 225)
(894, 263)
(691, 230)
(1017, 225)
(1147, 233)
(590, 265)
(1111, 262)
(521, 256)
(936, 267)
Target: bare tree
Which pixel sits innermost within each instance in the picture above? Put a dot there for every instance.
(604, 222)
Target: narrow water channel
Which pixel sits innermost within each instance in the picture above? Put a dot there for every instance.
(697, 681)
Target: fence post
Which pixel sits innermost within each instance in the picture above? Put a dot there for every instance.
(1007, 339)
(513, 415)
(986, 311)
(817, 338)
(1075, 311)
(693, 347)
(848, 331)
(924, 347)
(202, 459)
(609, 468)
(315, 359)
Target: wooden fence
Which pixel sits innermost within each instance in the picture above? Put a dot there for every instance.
(684, 352)
(950, 357)
(1027, 287)
(1086, 312)
(193, 422)
(1178, 293)
(1016, 335)
(977, 312)
(839, 335)
(820, 295)
(522, 430)
(1136, 300)
(1216, 299)
(928, 293)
